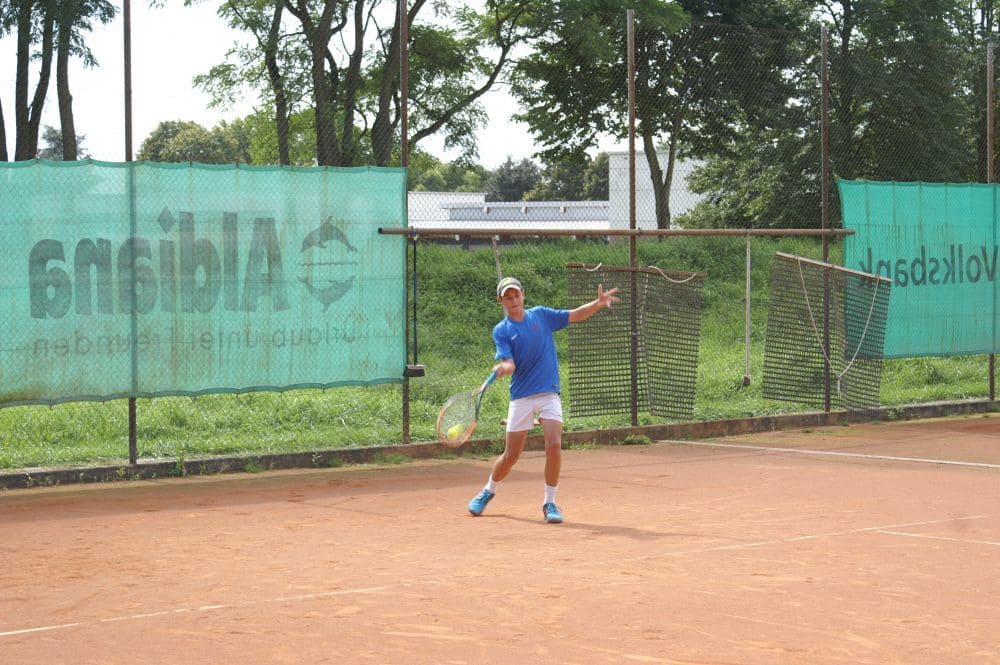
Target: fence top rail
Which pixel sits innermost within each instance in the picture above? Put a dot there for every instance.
(564, 233)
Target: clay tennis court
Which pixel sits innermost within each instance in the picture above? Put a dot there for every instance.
(873, 543)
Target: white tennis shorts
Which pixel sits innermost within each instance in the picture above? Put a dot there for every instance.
(521, 412)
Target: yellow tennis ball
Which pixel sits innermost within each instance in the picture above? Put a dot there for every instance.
(454, 431)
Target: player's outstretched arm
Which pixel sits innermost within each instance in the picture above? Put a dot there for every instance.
(604, 299)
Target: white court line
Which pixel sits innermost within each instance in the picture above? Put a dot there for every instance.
(203, 608)
(885, 528)
(795, 539)
(39, 629)
(954, 540)
(833, 453)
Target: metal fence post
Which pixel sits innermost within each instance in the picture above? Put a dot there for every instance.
(825, 196)
(404, 161)
(630, 18)
(133, 445)
(990, 179)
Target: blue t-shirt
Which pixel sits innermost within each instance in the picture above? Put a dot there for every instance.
(529, 343)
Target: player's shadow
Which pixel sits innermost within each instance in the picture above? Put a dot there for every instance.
(595, 529)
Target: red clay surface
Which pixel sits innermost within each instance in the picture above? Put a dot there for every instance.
(671, 553)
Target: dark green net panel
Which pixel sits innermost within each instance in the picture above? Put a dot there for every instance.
(646, 346)
(821, 312)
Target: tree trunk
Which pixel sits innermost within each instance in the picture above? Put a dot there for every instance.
(3, 136)
(845, 151)
(69, 145)
(318, 36)
(21, 109)
(352, 85)
(661, 186)
(277, 86)
(382, 127)
(28, 118)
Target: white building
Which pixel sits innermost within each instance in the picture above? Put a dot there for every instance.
(682, 199)
(470, 210)
(428, 210)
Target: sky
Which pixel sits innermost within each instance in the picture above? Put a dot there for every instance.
(169, 47)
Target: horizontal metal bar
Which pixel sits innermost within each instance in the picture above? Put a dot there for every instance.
(546, 233)
(792, 258)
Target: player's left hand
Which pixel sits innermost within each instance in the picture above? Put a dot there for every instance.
(606, 298)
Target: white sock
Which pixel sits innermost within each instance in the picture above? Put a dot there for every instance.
(550, 494)
(491, 486)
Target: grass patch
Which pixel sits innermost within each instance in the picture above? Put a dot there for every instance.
(457, 310)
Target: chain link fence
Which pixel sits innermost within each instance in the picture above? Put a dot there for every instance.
(731, 128)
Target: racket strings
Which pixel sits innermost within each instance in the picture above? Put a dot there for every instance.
(457, 418)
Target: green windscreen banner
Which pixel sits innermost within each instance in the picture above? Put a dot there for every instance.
(142, 279)
(937, 242)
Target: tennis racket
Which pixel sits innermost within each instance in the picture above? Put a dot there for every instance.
(457, 419)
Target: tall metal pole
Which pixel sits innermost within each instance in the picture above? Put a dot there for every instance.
(127, 16)
(630, 18)
(133, 447)
(991, 179)
(825, 200)
(404, 160)
(634, 305)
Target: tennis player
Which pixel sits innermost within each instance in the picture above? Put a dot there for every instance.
(527, 351)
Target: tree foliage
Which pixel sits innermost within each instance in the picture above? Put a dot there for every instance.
(737, 87)
(574, 178)
(52, 146)
(695, 86)
(427, 173)
(512, 180)
(341, 61)
(903, 106)
(185, 141)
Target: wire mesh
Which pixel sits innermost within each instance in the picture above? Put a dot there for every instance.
(728, 136)
(646, 347)
(604, 349)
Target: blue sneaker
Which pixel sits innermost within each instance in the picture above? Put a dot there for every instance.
(552, 513)
(478, 503)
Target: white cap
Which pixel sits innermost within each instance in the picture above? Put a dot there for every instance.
(508, 283)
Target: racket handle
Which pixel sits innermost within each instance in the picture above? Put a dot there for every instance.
(489, 380)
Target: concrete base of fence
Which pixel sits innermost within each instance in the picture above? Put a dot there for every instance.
(159, 468)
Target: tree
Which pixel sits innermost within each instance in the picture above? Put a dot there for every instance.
(53, 148)
(342, 59)
(900, 109)
(3, 137)
(976, 28)
(33, 24)
(271, 64)
(596, 183)
(897, 99)
(265, 139)
(575, 178)
(43, 29)
(427, 173)
(510, 182)
(72, 18)
(185, 141)
(696, 85)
